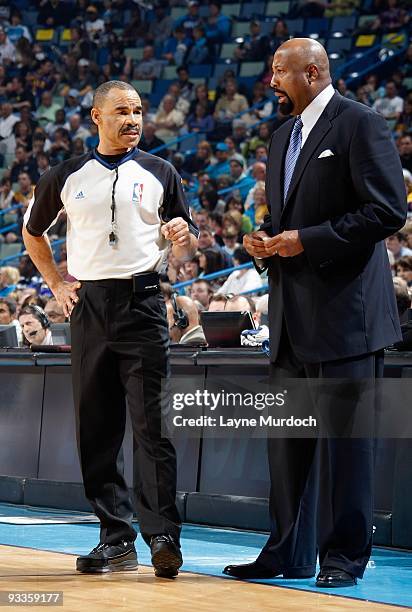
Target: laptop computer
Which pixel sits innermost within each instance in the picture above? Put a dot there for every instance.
(223, 329)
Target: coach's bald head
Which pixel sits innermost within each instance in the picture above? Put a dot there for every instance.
(300, 73)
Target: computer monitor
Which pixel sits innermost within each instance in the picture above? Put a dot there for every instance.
(223, 329)
(8, 336)
(61, 333)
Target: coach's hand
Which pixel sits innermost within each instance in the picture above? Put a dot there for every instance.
(66, 295)
(286, 244)
(177, 231)
(254, 243)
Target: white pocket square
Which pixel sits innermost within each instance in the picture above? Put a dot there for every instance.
(326, 153)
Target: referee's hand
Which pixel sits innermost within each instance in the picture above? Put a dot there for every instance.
(177, 231)
(66, 295)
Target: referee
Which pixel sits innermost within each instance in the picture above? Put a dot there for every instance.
(124, 208)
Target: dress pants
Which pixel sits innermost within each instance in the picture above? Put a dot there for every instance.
(321, 497)
(120, 350)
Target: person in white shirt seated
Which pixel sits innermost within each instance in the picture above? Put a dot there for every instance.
(242, 280)
(35, 325)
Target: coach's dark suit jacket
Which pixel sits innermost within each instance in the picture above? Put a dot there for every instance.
(337, 296)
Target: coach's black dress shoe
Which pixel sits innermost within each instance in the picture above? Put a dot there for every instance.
(108, 558)
(248, 571)
(166, 556)
(334, 577)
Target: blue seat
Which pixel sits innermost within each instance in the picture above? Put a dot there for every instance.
(252, 9)
(295, 26)
(339, 45)
(200, 71)
(316, 26)
(343, 24)
(220, 69)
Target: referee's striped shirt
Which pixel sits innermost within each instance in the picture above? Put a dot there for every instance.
(148, 192)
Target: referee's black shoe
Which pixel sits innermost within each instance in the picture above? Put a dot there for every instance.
(166, 556)
(108, 558)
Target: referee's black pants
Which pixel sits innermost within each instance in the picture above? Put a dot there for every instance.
(321, 497)
(120, 349)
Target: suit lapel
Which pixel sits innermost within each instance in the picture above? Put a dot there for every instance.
(318, 132)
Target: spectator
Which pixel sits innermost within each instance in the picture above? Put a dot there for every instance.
(42, 164)
(60, 148)
(242, 280)
(390, 105)
(199, 52)
(54, 311)
(230, 240)
(22, 135)
(168, 120)
(6, 193)
(35, 325)
(22, 164)
(72, 106)
(18, 94)
(241, 181)
(183, 320)
(200, 121)
(186, 87)
(280, 34)
(8, 316)
(16, 29)
(200, 291)
(230, 103)
(150, 141)
(25, 192)
(207, 241)
(149, 67)
(192, 19)
(404, 269)
(201, 159)
(94, 25)
(264, 106)
(7, 49)
(92, 140)
(404, 144)
(9, 278)
(7, 123)
(210, 261)
(59, 122)
(217, 26)
(343, 90)
(46, 112)
(396, 244)
(255, 45)
(76, 129)
(160, 28)
(201, 96)
(54, 13)
(176, 46)
(222, 165)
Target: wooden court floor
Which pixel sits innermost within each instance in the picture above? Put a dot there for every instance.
(29, 570)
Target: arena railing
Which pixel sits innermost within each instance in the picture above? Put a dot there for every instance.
(184, 137)
(179, 287)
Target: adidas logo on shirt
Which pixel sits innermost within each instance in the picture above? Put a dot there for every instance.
(79, 196)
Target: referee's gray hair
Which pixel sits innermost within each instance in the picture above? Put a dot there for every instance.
(103, 89)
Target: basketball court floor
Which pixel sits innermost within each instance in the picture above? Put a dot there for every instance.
(38, 548)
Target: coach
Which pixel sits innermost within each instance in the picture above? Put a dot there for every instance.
(123, 206)
(335, 192)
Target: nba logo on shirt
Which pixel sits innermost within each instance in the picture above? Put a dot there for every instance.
(137, 193)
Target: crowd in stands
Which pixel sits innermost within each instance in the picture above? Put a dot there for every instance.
(53, 54)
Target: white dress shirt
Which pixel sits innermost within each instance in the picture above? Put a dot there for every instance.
(314, 110)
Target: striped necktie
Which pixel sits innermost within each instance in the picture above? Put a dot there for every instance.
(292, 155)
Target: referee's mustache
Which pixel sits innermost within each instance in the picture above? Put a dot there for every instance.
(130, 128)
